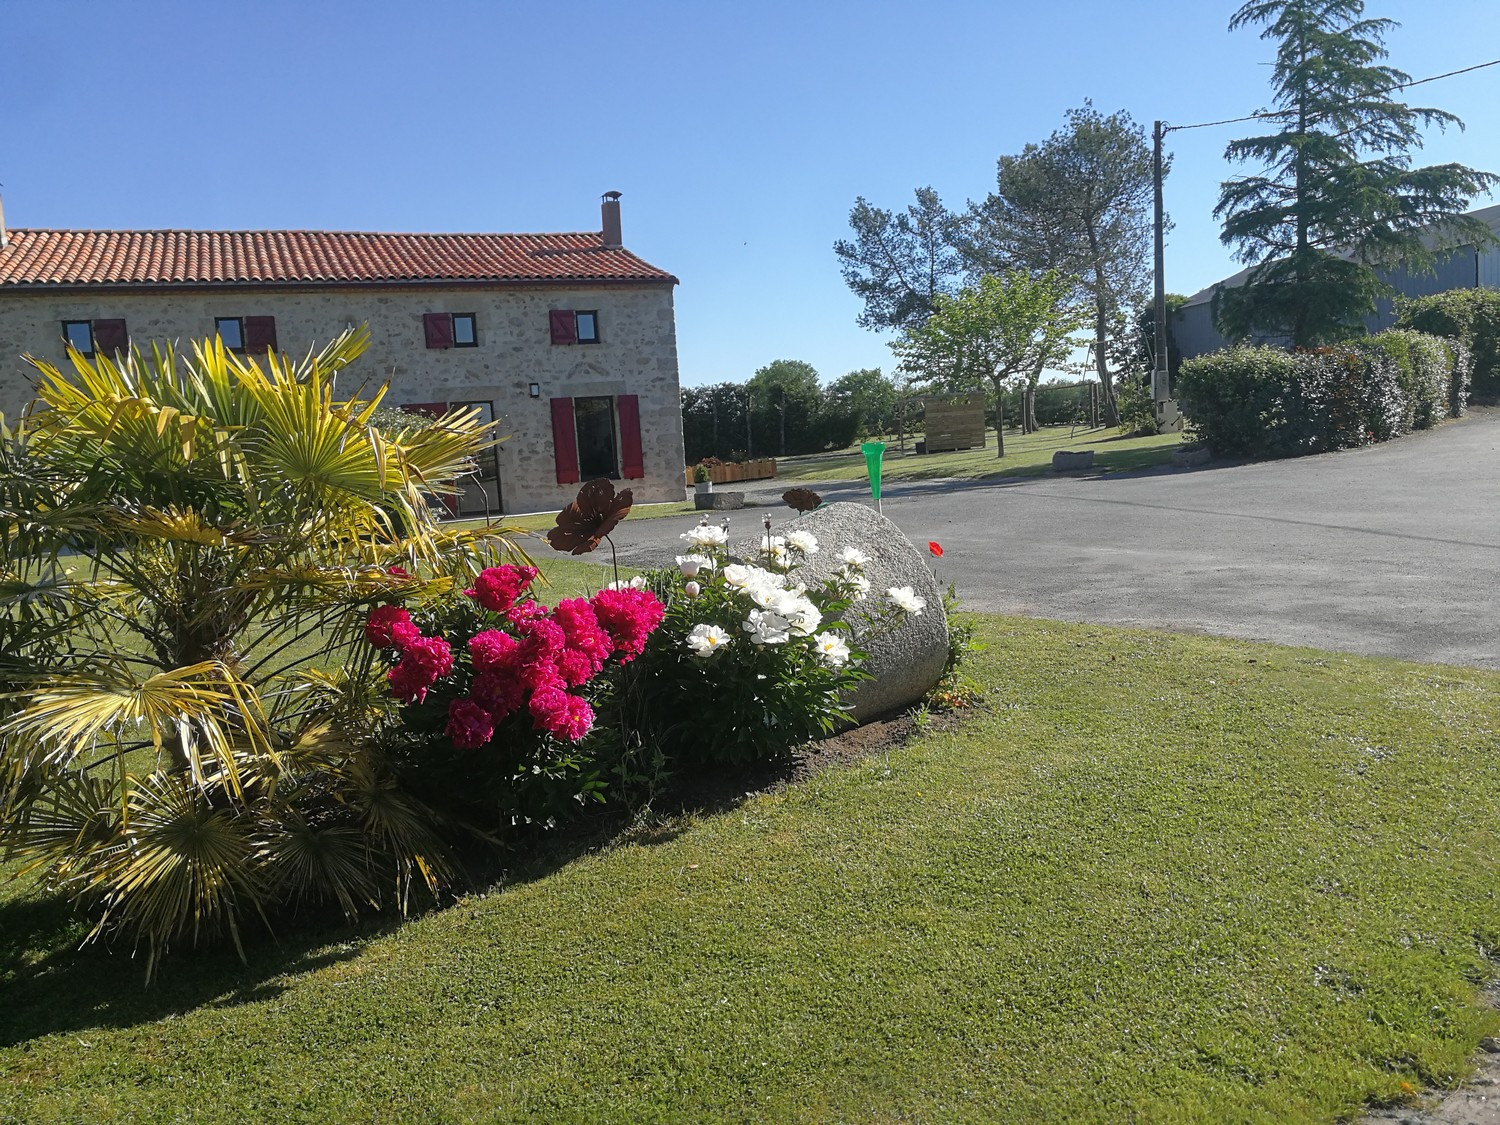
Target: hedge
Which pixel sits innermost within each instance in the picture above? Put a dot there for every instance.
(1266, 402)
(1470, 316)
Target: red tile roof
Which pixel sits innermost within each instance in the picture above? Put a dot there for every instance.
(310, 257)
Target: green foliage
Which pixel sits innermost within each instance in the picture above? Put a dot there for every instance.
(868, 398)
(186, 542)
(1266, 402)
(1425, 369)
(1337, 195)
(1137, 407)
(1470, 316)
(900, 263)
(1010, 327)
(1079, 203)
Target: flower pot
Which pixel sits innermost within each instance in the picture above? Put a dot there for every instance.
(703, 487)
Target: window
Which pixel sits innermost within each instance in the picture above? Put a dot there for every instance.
(102, 337)
(231, 330)
(464, 333)
(450, 330)
(574, 326)
(80, 335)
(247, 333)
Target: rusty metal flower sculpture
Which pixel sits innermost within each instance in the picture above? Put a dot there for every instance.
(802, 499)
(590, 518)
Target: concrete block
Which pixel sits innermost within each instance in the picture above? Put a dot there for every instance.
(1067, 461)
(718, 501)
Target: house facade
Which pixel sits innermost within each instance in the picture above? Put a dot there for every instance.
(566, 341)
(1461, 267)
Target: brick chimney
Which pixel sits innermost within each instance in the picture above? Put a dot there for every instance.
(610, 213)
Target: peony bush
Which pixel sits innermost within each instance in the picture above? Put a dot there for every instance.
(496, 693)
(750, 660)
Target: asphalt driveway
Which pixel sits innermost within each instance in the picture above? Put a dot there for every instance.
(1392, 550)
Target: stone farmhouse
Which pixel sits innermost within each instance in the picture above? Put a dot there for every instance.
(567, 341)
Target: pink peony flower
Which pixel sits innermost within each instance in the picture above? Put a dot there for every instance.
(493, 649)
(581, 630)
(629, 617)
(390, 625)
(560, 714)
(575, 667)
(469, 725)
(498, 587)
(423, 662)
(499, 691)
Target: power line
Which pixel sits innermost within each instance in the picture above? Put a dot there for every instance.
(1387, 90)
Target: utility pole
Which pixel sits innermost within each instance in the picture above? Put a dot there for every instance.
(1159, 373)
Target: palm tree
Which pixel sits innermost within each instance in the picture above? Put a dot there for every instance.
(188, 545)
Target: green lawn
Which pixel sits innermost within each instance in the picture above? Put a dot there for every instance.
(1025, 455)
(1159, 878)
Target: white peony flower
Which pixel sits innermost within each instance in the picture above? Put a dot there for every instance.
(692, 589)
(831, 649)
(744, 577)
(690, 565)
(767, 628)
(905, 598)
(765, 595)
(636, 583)
(854, 556)
(802, 615)
(705, 535)
(804, 541)
(705, 640)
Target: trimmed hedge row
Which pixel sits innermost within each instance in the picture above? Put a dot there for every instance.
(1470, 316)
(1266, 402)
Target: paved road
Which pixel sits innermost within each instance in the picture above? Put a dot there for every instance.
(1392, 550)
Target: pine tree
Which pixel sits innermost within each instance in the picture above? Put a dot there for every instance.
(1337, 196)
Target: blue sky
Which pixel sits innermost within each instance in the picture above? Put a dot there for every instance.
(740, 134)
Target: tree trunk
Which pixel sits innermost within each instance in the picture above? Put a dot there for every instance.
(999, 420)
(1101, 332)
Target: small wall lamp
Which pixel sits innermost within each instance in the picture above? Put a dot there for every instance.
(535, 390)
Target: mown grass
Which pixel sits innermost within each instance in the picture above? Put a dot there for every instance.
(1025, 455)
(1157, 878)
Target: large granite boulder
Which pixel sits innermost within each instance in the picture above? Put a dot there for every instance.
(906, 661)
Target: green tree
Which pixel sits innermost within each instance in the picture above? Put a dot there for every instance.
(787, 387)
(1002, 329)
(1337, 195)
(187, 548)
(899, 263)
(869, 397)
(1078, 203)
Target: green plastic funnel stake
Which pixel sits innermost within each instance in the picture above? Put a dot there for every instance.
(874, 451)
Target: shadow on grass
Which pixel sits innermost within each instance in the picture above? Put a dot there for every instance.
(49, 985)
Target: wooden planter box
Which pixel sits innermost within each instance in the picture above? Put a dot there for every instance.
(762, 469)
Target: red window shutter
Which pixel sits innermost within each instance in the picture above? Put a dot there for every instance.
(564, 327)
(110, 337)
(260, 333)
(564, 441)
(438, 328)
(632, 464)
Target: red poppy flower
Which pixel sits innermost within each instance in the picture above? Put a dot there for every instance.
(935, 548)
(588, 519)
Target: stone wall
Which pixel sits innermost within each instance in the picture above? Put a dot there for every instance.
(637, 354)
